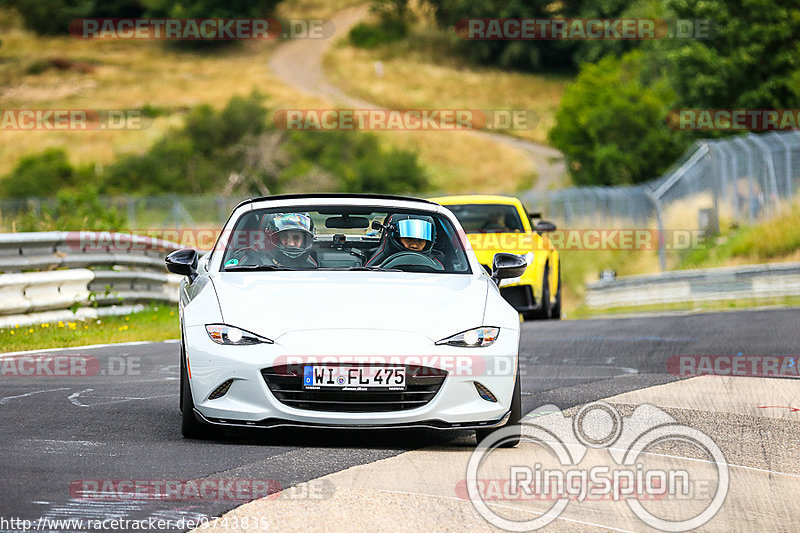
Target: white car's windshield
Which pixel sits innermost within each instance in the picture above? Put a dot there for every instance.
(345, 237)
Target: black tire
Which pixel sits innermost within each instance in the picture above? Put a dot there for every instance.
(191, 428)
(555, 312)
(183, 376)
(545, 310)
(513, 420)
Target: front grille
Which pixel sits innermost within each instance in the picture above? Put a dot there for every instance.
(519, 296)
(286, 383)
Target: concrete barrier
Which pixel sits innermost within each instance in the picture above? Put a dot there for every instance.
(702, 285)
(74, 274)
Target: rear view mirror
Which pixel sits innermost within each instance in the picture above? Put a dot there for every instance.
(347, 222)
(505, 266)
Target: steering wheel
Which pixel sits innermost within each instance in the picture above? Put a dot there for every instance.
(412, 259)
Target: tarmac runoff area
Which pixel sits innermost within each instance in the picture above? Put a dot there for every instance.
(755, 422)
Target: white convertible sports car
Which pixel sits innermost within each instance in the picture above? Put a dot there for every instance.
(345, 311)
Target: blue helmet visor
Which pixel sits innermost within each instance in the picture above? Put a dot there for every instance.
(414, 228)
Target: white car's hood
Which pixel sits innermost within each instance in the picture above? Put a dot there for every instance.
(274, 303)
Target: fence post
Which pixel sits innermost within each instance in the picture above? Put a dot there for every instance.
(787, 163)
(751, 212)
(769, 167)
(662, 254)
(130, 207)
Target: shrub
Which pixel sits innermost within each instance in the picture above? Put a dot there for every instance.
(611, 123)
(39, 175)
(79, 209)
(369, 36)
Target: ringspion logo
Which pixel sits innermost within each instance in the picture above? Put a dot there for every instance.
(562, 476)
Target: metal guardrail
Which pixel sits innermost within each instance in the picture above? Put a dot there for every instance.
(51, 276)
(702, 285)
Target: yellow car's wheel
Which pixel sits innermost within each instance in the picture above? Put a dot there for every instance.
(545, 307)
(555, 313)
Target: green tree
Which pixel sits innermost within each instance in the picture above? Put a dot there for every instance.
(51, 17)
(611, 123)
(751, 61)
(210, 8)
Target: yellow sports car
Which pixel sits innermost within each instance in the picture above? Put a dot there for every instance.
(501, 224)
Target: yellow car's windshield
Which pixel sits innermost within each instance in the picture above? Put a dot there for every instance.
(487, 218)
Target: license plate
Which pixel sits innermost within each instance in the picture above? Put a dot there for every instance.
(354, 377)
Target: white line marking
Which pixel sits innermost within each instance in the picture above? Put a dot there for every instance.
(90, 347)
(122, 400)
(4, 400)
(65, 442)
(73, 398)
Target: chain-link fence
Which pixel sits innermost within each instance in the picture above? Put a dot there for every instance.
(736, 179)
(143, 212)
(730, 180)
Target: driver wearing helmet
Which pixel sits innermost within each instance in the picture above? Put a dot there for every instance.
(414, 233)
(406, 233)
(289, 239)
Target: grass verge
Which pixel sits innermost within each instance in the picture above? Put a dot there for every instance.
(157, 322)
(62, 72)
(694, 307)
(415, 76)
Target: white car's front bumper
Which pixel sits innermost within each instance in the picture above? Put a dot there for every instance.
(250, 402)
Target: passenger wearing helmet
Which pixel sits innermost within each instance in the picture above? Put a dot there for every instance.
(289, 240)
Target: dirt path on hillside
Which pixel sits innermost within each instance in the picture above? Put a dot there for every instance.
(299, 64)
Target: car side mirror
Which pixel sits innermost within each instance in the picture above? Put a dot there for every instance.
(183, 262)
(505, 266)
(545, 225)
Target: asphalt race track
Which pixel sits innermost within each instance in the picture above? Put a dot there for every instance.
(123, 423)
